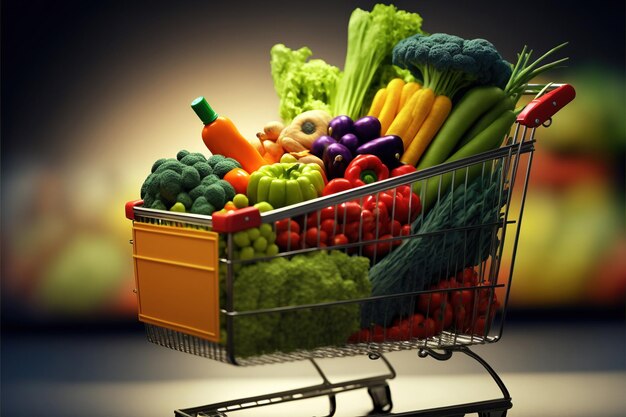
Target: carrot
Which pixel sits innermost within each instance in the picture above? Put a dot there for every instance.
(404, 119)
(439, 112)
(377, 102)
(388, 112)
(407, 92)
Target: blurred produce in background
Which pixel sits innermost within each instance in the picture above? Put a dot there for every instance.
(65, 250)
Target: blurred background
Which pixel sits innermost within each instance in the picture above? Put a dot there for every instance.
(94, 92)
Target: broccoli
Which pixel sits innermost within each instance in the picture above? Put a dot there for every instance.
(202, 206)
(192, 159)
(203, 169)
(158, 205)
(215, 195)
(224, 166)
(190, 177)
(447, 63)
(185, 199)
(157, 163)
(229, 190)
(181, 154)
(209, 180)
(304, 279)
(171, 164)
(214, 159)
(198, 191)
(170, 184)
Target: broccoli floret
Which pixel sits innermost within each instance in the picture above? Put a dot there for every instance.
(192, 159)
(185, 199)
(157, 163)
(210, 180)
(214, 159)
(229, 190)
(181, 154)
(223, 167)
(171, 164)
(448, 63)
(190, 177)
(198, 191)
(170, 184)
(149, 186)
(202, 206)
(215, 195)
(148, 200)
(203, 168)
(158, 205)
(354, 268)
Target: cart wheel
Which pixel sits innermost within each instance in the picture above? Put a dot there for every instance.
(381, 397)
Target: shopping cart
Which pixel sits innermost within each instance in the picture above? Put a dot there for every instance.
(425, 274)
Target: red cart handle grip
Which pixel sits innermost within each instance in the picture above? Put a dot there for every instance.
(129, 208)
(541, 109)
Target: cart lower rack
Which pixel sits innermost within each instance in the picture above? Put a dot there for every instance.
(425, 262)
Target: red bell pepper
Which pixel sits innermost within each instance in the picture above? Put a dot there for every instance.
(401, 170)
(366, 169)
(337, 185)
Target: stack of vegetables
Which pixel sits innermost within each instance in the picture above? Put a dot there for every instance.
(404, 101)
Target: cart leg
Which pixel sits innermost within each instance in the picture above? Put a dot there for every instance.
(381, 398)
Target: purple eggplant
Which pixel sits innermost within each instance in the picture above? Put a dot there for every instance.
(350, 141)
(336, 159)
(367, 128)
(339, 126)
(388, 148)
(320, 144)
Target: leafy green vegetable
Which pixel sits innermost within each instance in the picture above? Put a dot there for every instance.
(371, 38)
(304, 279)
(301, 84)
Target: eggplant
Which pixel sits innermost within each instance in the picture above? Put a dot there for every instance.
(336, 158)
(367, 128)
(388, 148)
(320, 144)
(339, 126)
(350, 141)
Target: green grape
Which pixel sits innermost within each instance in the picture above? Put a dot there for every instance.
(241, 239)
(246, 253)
(271, 250)
(260, 244)
(266, 231)
(253, 234)
(240, 200)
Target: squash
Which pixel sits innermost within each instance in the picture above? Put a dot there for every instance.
(300, 134)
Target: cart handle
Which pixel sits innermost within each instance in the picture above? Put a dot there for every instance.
(541, 109)
(129, 208)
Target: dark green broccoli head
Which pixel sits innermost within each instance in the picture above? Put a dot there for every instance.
(197, 191)
(150, 185)
(216, 195)
(214, 159)
(185, 199)
(170, 184)
(171, 164)
(158, 205)
(223, 167)
(203, 168)
(157, 163)
(192, 158)
(210, 179)
(229, 190)
(181, 154)
(190, 177)
(448, 63)
(202, 206)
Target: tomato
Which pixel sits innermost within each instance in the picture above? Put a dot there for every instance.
(378, 208)
(351, 230)
(368, 222)
(288, 240)
(395, 228)
(460, 313)
(377, 334)
(314, 237)
(429, 302)
(423, 329)
(348, 212)
(287, 225)
(463, 298)
(329, 226)
(443, 317)
(406, 230)
(327, 213)
(468, 275)
(339, 239)
(238, 178)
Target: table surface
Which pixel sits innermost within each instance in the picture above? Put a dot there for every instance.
(550, 369)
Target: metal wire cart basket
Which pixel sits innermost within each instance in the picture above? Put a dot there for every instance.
(438, 286)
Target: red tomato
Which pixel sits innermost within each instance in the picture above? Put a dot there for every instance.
(395, 228)
(340, 239)
(383, 248)
(288, 240)
(329, 226)
(429, 302)
(460, 314)
(287, 225)
(351, 230)
(443, 317)
(368, 222)
(377, 334)
(468, 275)
(361, 336)
(314, 237)
(406, 230)
(424, 329)
(348, 212)
(464, 298)
(327, 213)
